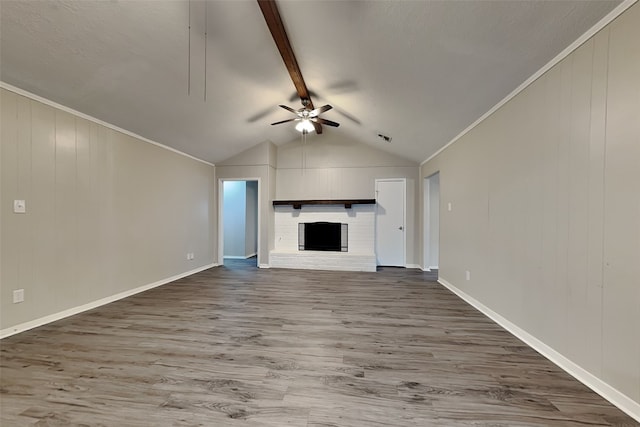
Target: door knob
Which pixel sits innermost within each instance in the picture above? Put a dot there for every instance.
(400, 228)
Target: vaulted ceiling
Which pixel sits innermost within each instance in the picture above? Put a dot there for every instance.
(418, 71)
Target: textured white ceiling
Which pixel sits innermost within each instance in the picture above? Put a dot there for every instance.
(419, 71)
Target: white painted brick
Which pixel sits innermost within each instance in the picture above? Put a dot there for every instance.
(361, 238)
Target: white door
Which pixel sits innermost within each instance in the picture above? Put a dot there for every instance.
(390, 222)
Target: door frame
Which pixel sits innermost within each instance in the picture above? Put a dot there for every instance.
(428, 233)
(404, 215)
(221, 182)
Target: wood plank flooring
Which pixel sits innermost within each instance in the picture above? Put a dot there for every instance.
(239, 346)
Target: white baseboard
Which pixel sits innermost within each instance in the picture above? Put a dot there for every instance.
(7, 332)
(622, 401)
(433, 267)
(264, 266)
(413, 266)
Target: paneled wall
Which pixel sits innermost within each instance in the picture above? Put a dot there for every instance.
(328, 166)
(257, 163)
(106, 212)
(331, 166)
(545, 197)
(251, 224)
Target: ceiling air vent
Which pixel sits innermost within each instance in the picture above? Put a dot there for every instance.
(383, 137)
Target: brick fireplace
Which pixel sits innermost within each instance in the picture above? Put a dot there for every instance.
(359, 219)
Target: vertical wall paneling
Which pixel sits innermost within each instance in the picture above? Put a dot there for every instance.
(563, 211)
(101, 220)
(251, 233)
(335, 167)
(595, 208)
(11, 223)
(621, 297)
(577, 337)
(42, 209)
(65, 213)
(87, 196)
(24, 245)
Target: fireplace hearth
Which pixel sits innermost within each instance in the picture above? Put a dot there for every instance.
(353, 251)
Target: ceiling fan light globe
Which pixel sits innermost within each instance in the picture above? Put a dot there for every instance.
(304, 126)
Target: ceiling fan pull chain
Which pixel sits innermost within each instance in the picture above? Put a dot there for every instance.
(303, 157)
(205, 49)
(189, 53)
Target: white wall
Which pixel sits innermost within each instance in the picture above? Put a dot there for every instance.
(545, 213)
(106, 213)
(432, 221)
(251, 234)
(330, 166)
(234, 218)
(257, 163)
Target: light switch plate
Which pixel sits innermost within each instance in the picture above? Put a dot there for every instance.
(18, 296)
(19, 206)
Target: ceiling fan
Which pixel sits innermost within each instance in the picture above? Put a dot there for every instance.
(308, 119)
(308, 115)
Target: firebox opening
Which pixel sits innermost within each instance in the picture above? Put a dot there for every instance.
(323, 236)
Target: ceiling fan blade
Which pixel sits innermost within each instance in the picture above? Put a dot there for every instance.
(320, 110)
(273, 19)
(324, 121)
(289, 109)
(284, 121)
(317, 127)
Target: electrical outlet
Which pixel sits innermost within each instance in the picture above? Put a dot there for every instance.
(468, 275)
(19, 206)
(18, 296)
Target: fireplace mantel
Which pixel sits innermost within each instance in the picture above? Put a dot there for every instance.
(297, 204)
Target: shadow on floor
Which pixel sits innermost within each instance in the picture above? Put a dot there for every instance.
(236, 264)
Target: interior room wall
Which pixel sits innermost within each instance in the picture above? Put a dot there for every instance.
(545, 197)
(331, 166)
(251, 222)
(256, 163)
(234, 217)
(101, 220)
(434, 220)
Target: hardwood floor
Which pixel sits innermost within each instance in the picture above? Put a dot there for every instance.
(239, 346)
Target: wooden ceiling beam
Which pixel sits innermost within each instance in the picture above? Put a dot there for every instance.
(272, 16)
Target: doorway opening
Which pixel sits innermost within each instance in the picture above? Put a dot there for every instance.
(431, 220)
(239, 223)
